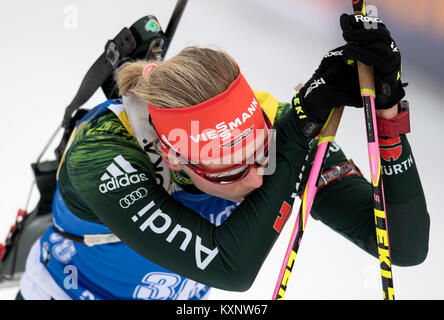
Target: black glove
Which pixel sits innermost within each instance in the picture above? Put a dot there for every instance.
(370, 42)
(335, 83)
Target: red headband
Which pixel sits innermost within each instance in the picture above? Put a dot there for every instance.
(213, 128)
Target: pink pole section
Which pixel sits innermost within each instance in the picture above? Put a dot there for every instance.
(304, 211)
(373, 147)
(310, 190)
(287, 256)
(375, 160)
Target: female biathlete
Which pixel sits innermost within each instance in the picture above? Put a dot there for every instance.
(127, 228)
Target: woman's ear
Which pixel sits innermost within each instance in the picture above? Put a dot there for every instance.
(171, 161)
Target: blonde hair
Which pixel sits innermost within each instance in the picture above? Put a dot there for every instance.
(189, 78)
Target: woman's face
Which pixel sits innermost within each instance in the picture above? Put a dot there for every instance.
(235, 191)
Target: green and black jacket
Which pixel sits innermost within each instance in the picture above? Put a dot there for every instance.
(245, 238)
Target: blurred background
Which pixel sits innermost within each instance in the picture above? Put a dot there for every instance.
(48, 46)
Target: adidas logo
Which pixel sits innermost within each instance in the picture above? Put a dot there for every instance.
(120, 173)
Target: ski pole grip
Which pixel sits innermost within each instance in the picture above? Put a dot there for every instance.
(332, 124)
(366, 76)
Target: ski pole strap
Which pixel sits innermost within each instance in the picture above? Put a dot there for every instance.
(329, 176)
(89, 239)
(101, 70)
(345, 169)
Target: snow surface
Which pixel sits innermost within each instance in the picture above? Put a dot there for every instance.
(47, 49)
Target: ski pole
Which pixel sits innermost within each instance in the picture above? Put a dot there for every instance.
(174, 22)
(326, 137)
(367, 84)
